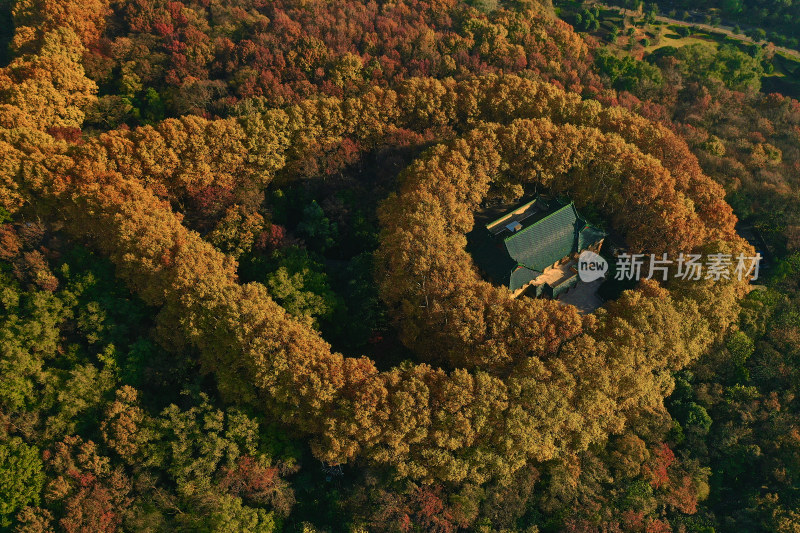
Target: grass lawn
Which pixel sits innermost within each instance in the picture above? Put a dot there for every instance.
(673, 39)
(784, 79)
(785, 65)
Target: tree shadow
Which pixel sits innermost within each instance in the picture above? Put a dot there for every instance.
(6, 32)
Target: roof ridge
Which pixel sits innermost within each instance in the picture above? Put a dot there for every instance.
(500, 218)
(520, 232)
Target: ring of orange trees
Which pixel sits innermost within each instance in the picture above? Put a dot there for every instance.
(427, 423)
(188, 153)
(443, 310)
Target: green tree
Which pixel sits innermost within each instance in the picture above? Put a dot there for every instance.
(316, 228)
(21, 478)
(627, 73)
(732, 7)
(301, 286)
(737, 70)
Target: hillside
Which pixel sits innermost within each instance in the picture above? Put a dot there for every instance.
(236, 293)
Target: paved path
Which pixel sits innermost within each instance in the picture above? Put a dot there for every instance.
(583, 296)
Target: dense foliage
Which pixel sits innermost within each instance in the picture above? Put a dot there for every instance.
(235, 296)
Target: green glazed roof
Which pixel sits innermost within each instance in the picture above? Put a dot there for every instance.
(588, 236)
(521, 276)
(521, 257)
(543, 243)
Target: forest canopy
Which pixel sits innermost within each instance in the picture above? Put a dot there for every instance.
(235, 293)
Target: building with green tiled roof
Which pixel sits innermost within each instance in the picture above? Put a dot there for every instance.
(521, 248)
